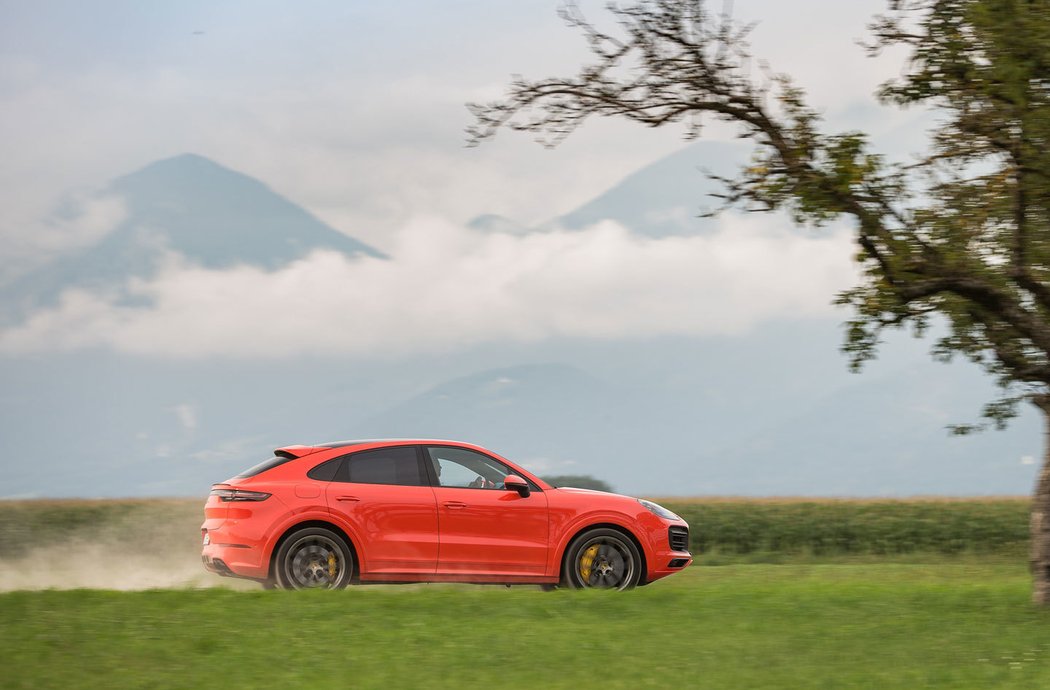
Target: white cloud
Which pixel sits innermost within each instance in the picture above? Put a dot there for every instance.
(228, 450)
(186, 413)
(450, 287)
(80, 219)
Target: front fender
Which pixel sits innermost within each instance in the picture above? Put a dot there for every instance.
(571, 528)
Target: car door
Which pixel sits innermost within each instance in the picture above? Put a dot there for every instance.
(384, 493)
(485, 529)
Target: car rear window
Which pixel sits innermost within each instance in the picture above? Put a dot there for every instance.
(263, 466)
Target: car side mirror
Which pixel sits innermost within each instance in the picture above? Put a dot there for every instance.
(513, 482)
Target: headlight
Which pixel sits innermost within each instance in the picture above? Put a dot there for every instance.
(658, 510)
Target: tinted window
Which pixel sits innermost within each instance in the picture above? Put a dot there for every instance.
(263, 466)
(325, 472)
(397, 465)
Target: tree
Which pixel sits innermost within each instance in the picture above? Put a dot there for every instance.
(579, 481)
(962, 233)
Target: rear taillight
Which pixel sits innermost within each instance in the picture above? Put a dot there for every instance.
(228, 495)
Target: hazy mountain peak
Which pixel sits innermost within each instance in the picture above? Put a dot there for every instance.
(490, 404)
(664, 198)
(187, 173)
(493, 223)
(218, 217)
(184, 160)
(191, 206)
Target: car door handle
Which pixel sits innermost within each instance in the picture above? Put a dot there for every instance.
(455, 505)
(348, 499)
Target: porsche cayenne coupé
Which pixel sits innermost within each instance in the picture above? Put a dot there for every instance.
(429, 511)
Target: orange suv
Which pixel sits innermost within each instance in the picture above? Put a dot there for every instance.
(429, 511)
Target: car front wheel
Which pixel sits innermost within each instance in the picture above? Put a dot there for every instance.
(313, 558)
(602, 558)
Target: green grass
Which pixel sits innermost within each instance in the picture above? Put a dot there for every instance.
(797, 626)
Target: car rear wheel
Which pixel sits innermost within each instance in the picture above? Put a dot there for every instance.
(602, 558)
(313, 558)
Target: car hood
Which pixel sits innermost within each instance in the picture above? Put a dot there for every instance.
(595, 492)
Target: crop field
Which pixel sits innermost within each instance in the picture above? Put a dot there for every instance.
(874, 615)
(156, 542)
(786, 528)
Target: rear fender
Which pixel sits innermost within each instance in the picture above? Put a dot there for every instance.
(315, 515)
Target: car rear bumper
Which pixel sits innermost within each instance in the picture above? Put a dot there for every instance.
(234, 559)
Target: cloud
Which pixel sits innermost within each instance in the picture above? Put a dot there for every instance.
(228, 451)
(450, 287)
(186, 413)
(80, 219)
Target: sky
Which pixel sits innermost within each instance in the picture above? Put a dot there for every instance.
(356, 112)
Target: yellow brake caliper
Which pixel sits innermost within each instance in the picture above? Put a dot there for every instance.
(331, 565)
(587, 560)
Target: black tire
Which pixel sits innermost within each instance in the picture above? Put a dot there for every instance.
(313, 558)
(602, 558)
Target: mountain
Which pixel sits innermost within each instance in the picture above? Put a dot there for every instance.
(217, 217)
(541, 411)
(665, 198)
(191, 207)
(491, 223)
(882, 435)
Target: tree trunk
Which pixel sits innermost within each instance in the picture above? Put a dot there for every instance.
(1040, 519)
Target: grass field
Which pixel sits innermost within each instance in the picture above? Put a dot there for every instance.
(805, 594)
(880, 626)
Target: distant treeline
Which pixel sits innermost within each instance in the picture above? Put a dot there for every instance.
(862, 527)
(578, 481)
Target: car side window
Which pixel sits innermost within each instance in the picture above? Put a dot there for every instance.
(326, 471)
(396, 465)
(462, 468)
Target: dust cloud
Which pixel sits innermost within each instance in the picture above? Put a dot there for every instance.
(119, 545)
(75, 565)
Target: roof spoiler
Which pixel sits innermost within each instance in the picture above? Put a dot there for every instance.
(292, 452)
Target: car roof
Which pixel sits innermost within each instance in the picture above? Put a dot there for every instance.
(302, 451)
(364, 441)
